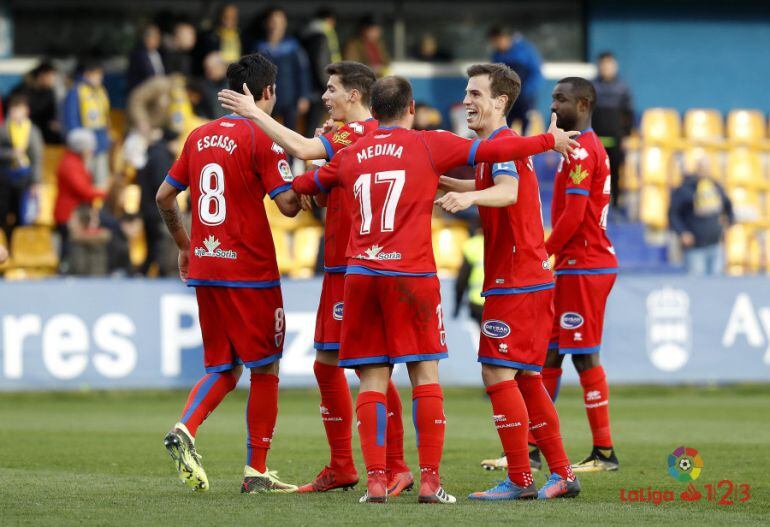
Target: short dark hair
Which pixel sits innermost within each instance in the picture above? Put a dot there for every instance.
(502, 81)
(325, 12)
(42, 69)
(391, 97)
(354, 75)
(498, 31)
(606, 55)
(583, 88)
(255, 70)
(87, 64)
(17, 99)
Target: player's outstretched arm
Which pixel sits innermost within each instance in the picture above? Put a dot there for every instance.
(295, 144)
(172, 217)
(504, 192)
(508, 148)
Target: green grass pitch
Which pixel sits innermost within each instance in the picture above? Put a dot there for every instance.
(97, 459)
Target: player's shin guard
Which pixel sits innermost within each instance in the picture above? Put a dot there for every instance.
(371, 411)
(395, 442)
(544, 424)
(336, 413)
(511, 419)
(261, 414)
(429, 425)
(205, 397)
(596, 394)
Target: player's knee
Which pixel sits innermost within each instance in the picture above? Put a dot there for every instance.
(269, 369)
(553, 359)
(326, 357)
(491, 374)
(585, 362)
(423, 372)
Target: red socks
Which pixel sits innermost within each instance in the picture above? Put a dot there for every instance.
(552, 381)
(336, 413)
(395, 443)
(261, 413)
(429, 425)
(371, 411)
(596, 394)
(544, 424)
(511, 419)
(205, 397)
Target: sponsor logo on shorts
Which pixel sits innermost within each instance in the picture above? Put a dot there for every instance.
(337, 311)
(571, 320)
(212, 250)
(495, 329)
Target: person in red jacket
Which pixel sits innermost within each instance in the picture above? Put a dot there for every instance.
(74, 182)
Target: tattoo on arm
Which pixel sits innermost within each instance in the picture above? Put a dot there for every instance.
(172, 218)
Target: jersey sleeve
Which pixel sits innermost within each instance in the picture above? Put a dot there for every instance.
(335, 141)
(179, 174)
(448, 150)
(506, 168)
(273, 169)
(579, 173)
(318, 180)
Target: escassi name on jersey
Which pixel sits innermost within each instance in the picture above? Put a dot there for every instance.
(388, 149)
(219, 141)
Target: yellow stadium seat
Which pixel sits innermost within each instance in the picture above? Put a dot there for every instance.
(747, 204)
(703, 126)
(132, 196)
(692, 156)
(137, 248)
(745, 126)
(117, 123)
(654, 206)
(305, 249)
(51, 157)
(737, 248)
(657, 166)
(32, 247)
(4, 243)
(661, 126)
(744, 167)
(448, 247)
(282, 252)
(46, 195)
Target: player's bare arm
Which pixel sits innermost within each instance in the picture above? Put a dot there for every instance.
(295, 144)
(288, 203)
(450, 184)
(504, 192)
(172, 217)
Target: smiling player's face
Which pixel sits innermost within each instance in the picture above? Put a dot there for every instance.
(481, 109)
(336, 98)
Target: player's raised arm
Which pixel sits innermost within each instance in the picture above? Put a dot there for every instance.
(295, 144)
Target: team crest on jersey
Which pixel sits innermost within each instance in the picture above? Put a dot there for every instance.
(276, 148)
(578, 174)
(212, 250)
(285, 170)
(571, 320)
(580, 154)
(495, 329)
(337, 311)
(342, 138)
(375, 253)
(357, 128)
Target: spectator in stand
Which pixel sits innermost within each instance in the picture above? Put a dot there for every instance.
(293, 82)
(75, 186)
(21, 157)
(225, 38)
(699, 213)
(368, 47)
(426, 117)
(39, 88)
(323, 48)
(161, 102)
(145, 61)
(178, 50)
(214, 80)
(613, 117)
(122, 227)
(87, 240)
(515, 51)
(160, 156)
(470, 277)
(428, 50)
(87, 106)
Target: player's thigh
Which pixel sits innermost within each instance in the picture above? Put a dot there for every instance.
(328, 327)
(515, 330)
(218, 353)
(414, 320)
(257, 325)
(363, 330)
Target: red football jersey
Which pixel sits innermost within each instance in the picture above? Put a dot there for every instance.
(337, 229)
(515, 259)
(587, 174)
(229, 165)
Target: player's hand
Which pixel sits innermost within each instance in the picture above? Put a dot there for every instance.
(447, 184)
(321, 199)
(562, 141)
(241, 103)
(305, 202)
(184, 264)
(455, 201)
(329, 126)
(3, 254)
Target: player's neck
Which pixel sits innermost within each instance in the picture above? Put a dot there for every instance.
(488, 129)
(583, 124)
(358, 113)
(398, 123)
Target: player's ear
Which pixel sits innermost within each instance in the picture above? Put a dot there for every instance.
(411, 107)
(354, 95)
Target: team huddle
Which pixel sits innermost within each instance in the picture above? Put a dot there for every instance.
(380, 302)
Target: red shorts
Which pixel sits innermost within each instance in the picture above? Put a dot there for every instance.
(328, 322)
(392, 319)
(240, 326)
(578, 320)
(515, 330)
